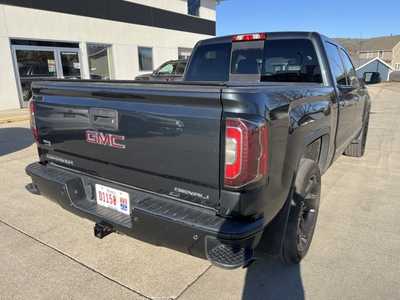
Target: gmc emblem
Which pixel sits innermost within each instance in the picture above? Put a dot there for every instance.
(105, 139)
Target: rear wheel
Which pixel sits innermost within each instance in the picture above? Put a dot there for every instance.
(357, 146)
(304, 204)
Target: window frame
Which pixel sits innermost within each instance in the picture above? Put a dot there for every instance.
(341, 63)
(152, 58)
(343, 52)
(261, 46)
(110, 58)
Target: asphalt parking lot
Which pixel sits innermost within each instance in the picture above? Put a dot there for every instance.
(47, 253)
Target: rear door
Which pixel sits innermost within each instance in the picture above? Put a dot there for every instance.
(345, 96)
(353, 92)
(163, 138)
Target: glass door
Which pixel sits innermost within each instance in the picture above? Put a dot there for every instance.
(34, 63)
(70, 64)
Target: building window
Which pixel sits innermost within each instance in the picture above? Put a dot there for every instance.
(193, 7)
(99, 56)
(145, 59)
(184, 53)
(397, 67)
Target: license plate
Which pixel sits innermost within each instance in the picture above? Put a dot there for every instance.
(113, 198)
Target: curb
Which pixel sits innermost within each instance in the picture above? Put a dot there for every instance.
(12, 119)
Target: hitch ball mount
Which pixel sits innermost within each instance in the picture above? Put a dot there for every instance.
(101, 230)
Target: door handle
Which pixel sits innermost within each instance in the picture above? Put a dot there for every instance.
(103, 118)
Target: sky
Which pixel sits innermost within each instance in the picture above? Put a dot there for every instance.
(335, 18)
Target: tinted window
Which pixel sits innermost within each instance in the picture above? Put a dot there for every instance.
(247, 58)
(348, 66)
(336, 64)
(210, 63)
(180, 68)
(145, 59)
(293, 60)
(33, 63)
(70, 65)
(193, 7)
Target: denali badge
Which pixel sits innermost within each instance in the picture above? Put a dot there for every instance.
(105, 139)
(178, 191)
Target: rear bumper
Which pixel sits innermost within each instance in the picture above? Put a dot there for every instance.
(155, 219)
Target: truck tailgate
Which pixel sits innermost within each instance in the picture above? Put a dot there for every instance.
(158, 137)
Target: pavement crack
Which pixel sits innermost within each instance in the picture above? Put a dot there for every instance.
(74, 259)
(193, 282)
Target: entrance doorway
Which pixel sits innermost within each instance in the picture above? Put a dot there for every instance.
(41, 63)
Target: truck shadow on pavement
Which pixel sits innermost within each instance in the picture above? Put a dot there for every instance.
(14, 139)
(269, 279)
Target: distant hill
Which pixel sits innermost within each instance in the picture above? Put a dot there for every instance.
(376, 43)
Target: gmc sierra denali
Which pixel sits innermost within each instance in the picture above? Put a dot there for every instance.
(225, 163)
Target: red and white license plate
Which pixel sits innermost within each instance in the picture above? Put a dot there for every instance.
(113, 198)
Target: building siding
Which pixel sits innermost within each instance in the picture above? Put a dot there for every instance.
(387, 55)
(17, 22)
(122, 11)
(396, 57)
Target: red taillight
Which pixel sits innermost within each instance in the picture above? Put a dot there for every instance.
(246, 152)
(249, 37)
(35, 131)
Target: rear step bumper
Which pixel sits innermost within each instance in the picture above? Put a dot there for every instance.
(155, 219)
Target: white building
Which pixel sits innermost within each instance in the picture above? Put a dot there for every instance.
(99, 39)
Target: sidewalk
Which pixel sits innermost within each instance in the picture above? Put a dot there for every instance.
(14, 115)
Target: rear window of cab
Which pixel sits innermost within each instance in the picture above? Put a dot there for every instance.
(279, 60)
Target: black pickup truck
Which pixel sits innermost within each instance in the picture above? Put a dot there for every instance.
(221, 165)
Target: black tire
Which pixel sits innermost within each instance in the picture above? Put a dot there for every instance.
(357, 146)
(304, 205)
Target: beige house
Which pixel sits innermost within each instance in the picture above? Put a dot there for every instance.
(380, 54)
(385, 55)
(385, 48)
(396, 57)
(381, 47)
